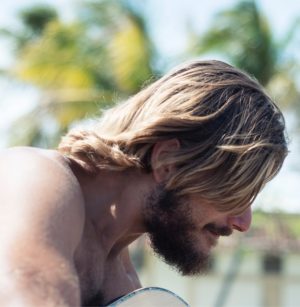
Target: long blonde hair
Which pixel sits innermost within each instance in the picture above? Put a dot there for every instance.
(232, 135)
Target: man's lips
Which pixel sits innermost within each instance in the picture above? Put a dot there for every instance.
(218, 231)
(214, 233)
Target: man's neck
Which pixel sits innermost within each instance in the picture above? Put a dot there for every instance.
(114, 203)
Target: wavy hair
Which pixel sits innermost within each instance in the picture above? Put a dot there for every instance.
(231, 134)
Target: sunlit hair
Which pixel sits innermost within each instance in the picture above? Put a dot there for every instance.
(231, 134)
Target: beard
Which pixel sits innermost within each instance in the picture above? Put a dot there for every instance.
(172, 232)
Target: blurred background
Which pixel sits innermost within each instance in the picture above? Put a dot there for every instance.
(63, 61)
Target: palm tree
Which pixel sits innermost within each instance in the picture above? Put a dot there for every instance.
(243, 36)
(33, 22)
(81, 65)
(130, 51)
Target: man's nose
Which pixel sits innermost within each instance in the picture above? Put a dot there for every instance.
(241, 222)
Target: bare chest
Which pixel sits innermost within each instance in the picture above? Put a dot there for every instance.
(101, 280)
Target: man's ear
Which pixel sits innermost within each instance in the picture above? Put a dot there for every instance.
(161, 171)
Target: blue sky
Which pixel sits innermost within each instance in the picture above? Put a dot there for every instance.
(167, 19)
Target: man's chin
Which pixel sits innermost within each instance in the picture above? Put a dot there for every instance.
(192, 264)
(199, 268)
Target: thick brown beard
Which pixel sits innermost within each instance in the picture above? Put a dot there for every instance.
(170, 227)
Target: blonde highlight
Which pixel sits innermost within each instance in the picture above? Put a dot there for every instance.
(231, 133)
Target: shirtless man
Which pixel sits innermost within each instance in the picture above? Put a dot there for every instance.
(182, 161)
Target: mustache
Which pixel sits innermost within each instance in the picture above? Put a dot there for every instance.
(219, 230)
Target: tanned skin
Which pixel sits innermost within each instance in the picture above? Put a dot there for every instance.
(64, 234)
(61, 241)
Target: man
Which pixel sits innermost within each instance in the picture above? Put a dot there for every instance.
(182, 161)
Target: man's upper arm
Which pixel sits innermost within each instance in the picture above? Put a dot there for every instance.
(41, 221)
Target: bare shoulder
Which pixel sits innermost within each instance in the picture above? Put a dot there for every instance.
(20, 160)
(40, 197)
(41, 224)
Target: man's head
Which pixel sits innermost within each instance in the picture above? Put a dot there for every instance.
(184, 229)
(230, 134)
